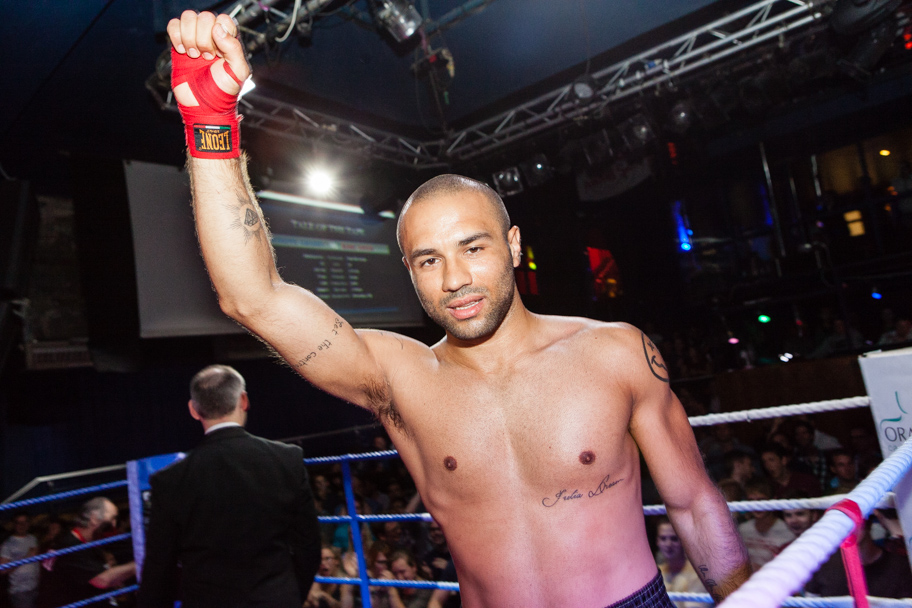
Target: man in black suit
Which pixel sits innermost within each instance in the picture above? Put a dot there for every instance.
(237, 513)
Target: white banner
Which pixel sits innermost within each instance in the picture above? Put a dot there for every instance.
(888, 379)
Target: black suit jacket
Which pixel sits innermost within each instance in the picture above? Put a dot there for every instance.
(238, 515)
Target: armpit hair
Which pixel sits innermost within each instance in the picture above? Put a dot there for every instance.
(380, 400)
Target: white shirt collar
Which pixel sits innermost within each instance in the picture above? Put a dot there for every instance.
(220, 425)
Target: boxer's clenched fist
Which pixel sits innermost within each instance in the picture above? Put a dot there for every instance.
(208, 67)
(206, 38)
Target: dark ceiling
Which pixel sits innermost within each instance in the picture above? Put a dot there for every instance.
(74, 72)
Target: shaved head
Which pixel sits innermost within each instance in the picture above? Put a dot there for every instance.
(450, 183)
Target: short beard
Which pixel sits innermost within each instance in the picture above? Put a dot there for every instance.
(474, 328)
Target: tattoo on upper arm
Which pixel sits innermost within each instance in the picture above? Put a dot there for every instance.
(654, 358)
(710, 583)
(246, 217)
(321, 347)
(567, 495)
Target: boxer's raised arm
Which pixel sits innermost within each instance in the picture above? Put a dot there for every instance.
(695, 506)
(234, 239)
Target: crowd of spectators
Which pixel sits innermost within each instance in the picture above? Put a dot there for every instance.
(704, 349)
(794, 460)
(789, 459)
(403, 550)
(62, 579)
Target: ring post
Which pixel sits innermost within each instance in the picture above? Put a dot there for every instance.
(356, 533)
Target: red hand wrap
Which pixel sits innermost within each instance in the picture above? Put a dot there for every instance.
(211, 127)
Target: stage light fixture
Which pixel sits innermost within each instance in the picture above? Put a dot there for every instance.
(681, 117)
(637, 131)
(875, 293)
(885, 153)
(584, 87)
(536, 170)
(320, 182)
(400, 18)
(763, 319)
(507, 182)
(869, 50)
(852, 17)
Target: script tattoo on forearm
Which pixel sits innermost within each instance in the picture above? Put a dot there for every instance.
(322, 346)
(709, 582)
(656, 366)
(246, 217)
(567, 495)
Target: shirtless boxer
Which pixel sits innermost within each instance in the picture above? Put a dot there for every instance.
(521, 431)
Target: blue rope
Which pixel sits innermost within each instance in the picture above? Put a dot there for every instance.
(73, 549)
(102, 597)
(344, 519)
(350, 457)
(382, 582)
(62, 495)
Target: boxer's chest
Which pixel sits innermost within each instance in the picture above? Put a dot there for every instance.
(548, 426)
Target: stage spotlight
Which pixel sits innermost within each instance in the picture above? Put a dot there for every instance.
(869, 50)
(536, 170)
(320, 182)
(885, 153)
(681, 117)
(637, 131)
(852, 17)
(399, 17)
(584, 87)
(507, 183)
(875, 293)
(763, 319)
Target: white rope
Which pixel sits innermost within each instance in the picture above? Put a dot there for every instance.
(791, 569)
(814, 407)
(842, 601)
(747, 506)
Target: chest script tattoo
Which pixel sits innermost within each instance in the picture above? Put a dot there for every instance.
(654, 358)
(567, 495)
(323, 346)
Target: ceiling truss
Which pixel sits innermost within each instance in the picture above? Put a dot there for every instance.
(736, 34)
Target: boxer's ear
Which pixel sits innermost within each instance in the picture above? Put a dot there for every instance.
(515, 242)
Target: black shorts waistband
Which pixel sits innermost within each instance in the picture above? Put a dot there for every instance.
(652, 595)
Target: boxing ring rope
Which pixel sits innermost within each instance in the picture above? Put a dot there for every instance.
(768, 587)
(789, 570)
(803, 557)
(59, 552)
(27, 502)
(814, 407)
(779, 504)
